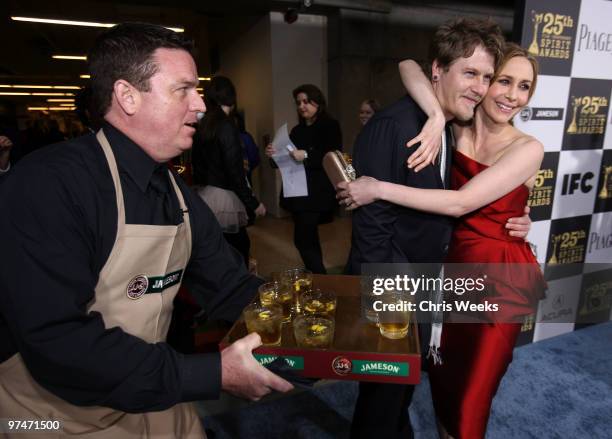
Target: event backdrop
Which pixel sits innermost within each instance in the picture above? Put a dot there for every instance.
(571, 203)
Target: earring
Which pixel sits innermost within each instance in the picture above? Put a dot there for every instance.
(435, 77)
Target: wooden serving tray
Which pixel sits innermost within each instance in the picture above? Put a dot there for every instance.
(358, 352)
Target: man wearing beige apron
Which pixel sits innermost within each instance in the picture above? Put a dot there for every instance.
(98, 237)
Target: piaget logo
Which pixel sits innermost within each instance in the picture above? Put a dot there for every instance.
(296, 363)
(568, 247)
(387, 368)
(588, 115)
(594, 40)
(550, 39)
(541, 195)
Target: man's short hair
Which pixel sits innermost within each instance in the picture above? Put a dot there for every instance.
(126, 52)
(458, 38)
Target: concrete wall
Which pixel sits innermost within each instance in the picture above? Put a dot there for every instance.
(267, 61)
(364, 50)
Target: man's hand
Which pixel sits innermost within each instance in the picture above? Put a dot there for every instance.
(260, 211)
(243, 376)
(520, 227)
(5, 144)
(270, 150)
(5, 151)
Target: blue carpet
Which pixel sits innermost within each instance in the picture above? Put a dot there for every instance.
(557, 388)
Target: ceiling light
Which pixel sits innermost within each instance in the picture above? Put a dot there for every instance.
(61, 100)
(50, 108)
(25, 93)
(59, 87)
(77, 23)
(204, 78)
(84, 76)
(71, 57)
(67, 105)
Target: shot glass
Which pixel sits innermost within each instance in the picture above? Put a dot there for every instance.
(312, 331)
(300, 280)
(273, 293)
(266, 320)
(394, 317)
(319, 302)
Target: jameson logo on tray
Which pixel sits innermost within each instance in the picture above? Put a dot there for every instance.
(388, 368)
(296, 363)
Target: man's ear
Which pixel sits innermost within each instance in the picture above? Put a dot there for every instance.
(127, 96)
(436, 71)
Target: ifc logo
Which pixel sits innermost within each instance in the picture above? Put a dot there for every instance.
(526, 114)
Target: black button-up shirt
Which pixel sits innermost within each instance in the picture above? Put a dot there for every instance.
(58, 222)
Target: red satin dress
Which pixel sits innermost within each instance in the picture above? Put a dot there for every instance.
(475, 356)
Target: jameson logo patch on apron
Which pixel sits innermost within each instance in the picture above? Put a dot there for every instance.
(145, 260)
(142, 284)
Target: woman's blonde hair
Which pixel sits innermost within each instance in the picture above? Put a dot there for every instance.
(513, 50)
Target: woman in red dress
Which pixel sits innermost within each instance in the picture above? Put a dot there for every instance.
(494, 168)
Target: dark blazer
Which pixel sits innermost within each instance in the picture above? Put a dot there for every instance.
(317, 139)
(384, 232)
(220, 162)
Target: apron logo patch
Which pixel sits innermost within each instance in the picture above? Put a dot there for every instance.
(160, 283)
(141, 284)
(137, 287)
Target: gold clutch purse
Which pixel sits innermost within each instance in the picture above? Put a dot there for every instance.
(338, 167)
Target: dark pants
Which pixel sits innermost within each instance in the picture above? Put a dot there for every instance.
(241, 242)
(382, 411)
(306, 239)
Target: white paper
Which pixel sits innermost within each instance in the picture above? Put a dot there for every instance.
(292, 172)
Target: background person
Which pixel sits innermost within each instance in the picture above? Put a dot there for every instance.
(367, 110)
(315, 135)
(219, 166)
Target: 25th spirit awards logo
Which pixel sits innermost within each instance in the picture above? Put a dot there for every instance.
(606, 188)
(588, 115)
(568, 247)
(551, 38)
(542, 195)
(542, 192)
(596, 298)
(603, 202)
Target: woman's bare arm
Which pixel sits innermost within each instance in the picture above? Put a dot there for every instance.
(514, 168)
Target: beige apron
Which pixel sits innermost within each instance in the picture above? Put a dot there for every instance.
(130, 294)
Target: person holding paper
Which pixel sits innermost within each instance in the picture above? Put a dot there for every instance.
(315, 135)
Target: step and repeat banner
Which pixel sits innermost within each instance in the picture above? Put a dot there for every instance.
(571, 203)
